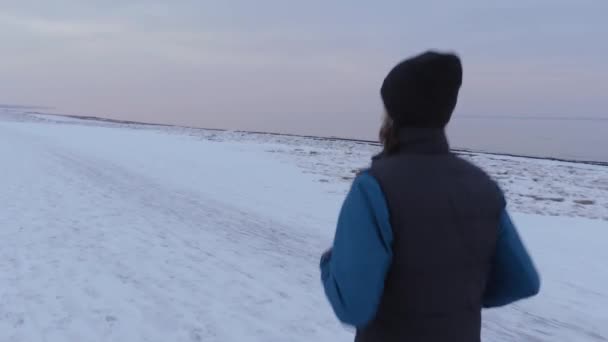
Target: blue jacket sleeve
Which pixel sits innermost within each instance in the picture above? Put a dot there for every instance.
(513, 276)
(354, 270)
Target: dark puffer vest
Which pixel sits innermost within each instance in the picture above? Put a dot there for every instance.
(445, 218)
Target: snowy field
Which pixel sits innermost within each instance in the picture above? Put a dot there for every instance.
(125, 232)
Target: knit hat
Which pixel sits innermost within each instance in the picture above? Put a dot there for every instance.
(422, 91)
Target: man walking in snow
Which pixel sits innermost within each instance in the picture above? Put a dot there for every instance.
(424, 241)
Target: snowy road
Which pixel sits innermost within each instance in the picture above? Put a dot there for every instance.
(111, 234)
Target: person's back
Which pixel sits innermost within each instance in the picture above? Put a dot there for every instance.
(430, 252)
(445, 216)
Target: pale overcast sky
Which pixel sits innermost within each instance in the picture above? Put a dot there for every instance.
(310, 67)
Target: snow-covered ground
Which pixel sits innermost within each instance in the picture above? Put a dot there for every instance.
(124, 232)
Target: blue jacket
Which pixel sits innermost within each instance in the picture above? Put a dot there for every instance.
(354, 270)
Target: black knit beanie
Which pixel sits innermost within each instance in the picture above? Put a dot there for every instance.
(422, 91)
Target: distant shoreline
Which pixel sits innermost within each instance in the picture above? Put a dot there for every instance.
(361, 141)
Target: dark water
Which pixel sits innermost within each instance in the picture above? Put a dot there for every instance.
(577, 139)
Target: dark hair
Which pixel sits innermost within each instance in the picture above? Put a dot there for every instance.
(389, 136)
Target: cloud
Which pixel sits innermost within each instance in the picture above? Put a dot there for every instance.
(244, 60)
(31, 25)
